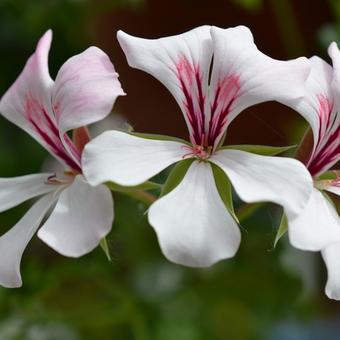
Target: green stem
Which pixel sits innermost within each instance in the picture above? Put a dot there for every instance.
(288, 27)
(142, 196)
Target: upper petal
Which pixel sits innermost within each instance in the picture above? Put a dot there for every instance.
(85, 89)
(28, 104)
(16, 190)
(331, 256)
(317, 226)
(14, 242)
(256, 178)
(316, 105)
(243, 76)
(82, 216)
(334, 53)
(31, 92)
(128, 160)
(192, 224)
(182, 64)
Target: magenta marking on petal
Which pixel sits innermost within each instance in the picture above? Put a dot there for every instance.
(226, 93)
(45, 126)
(190, 80)
(327, 146)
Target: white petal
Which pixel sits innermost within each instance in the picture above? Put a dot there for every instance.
(82, 216)
(259, 77)
(14, 242)
(331, 256)
(256, 178)
(128, 160)
(192, 224)
(181, 63)
(334, 53)
(85, 89)
(16, 190)
(334, 189)
(317, 226)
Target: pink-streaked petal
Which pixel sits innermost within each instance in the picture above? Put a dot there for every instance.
(182, 64)
(31, 92)
(14, 242)
(16, 190)
(82, 216)
(331, 256)
(317, 104)
(28, 103)
(243, 76)
(192, 224)
(85, 89)
(317, 226)
(334, 53)
(128, 160)
(258, 178)
(319, 109)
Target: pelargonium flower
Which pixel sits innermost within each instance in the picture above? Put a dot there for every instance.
(318, 226)
(84, 91)
(214, 74)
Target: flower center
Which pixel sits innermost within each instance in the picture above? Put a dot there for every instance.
(200, 152)
(323, 184)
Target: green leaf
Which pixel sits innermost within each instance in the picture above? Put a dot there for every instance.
(105, 247)
(260, 149)
(282, 229)
(144, 186)
(224, 189)
(158, 137)
(176, 175)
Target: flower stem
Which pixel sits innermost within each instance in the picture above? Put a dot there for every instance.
(142, 196)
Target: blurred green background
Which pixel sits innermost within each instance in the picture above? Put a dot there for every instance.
(262, 293)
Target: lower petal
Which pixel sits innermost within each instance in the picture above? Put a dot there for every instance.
(317, 226)
(258, 178)
(192, 224)
(331, 256)
(14, 242)
(82, 216)
(128, 160)
(16, 190)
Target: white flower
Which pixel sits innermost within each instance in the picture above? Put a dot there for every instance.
(193, 226)
(84, 91)
(318, 227)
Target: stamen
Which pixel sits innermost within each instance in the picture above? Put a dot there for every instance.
(198, 151)
(66, 178)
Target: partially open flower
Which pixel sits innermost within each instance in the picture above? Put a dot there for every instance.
(84, 91)
(318, 226)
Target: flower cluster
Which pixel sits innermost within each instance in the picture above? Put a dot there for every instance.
(214, 74)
